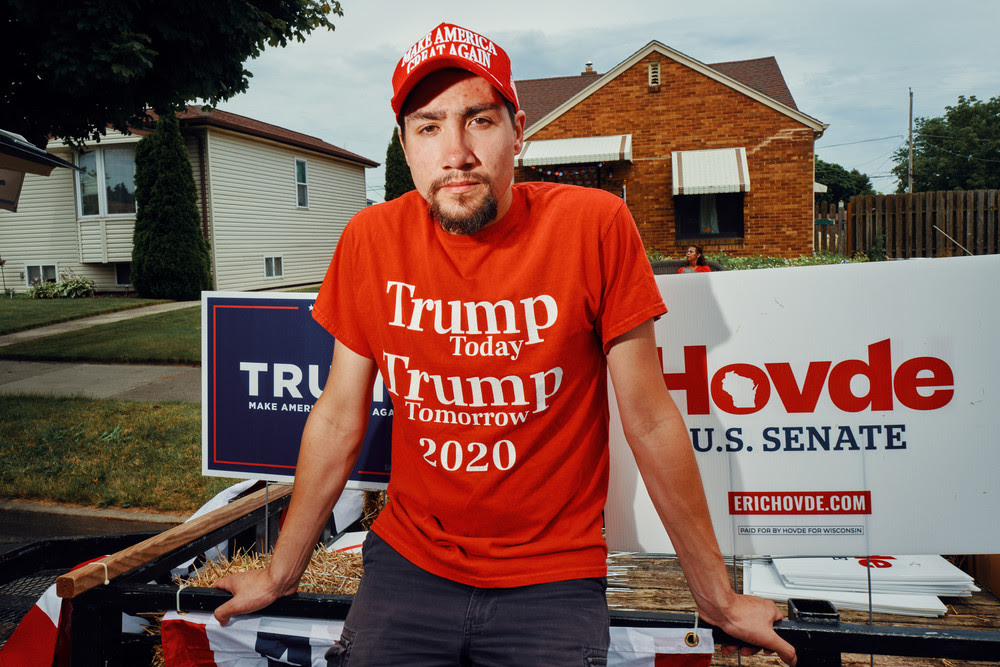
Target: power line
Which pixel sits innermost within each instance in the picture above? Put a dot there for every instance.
(967, 157)
(952, 136)
(862, 141)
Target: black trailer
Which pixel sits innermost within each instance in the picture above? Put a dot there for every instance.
(138, 581)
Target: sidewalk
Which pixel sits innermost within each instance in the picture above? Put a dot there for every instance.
(129, 382)
(94, 320)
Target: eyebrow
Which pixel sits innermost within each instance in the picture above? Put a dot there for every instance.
(434, 114)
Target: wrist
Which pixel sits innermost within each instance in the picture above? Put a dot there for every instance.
(281, 582)
(717, 610)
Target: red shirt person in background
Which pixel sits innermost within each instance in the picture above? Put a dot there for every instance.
(695, 261)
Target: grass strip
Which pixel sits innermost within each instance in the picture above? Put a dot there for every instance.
(173, 337)
(104, 453)
(19, 314)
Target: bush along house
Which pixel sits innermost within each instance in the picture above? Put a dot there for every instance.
(713, 155)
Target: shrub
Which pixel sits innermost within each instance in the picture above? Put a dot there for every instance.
(170, 258)
(70, 286)
(731, 263)
(398, 180)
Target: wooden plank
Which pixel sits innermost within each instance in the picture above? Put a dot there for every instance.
(921, 246)
(980, 222)
(871, 223)
(858, 239)
(988, 232)
(886, 215)
(958, 226)
(94, 574)
(970, 220)
(964, 237)
(901, 226)
(869, 213)
(927, 206)
(941, 221)
(863, 213)
(913, 229)
(879, 223)
(992, 221)
(843, 231)
(848, 245)
(893, 228)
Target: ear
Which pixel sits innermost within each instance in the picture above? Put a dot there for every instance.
(402, 142)
(519, 122)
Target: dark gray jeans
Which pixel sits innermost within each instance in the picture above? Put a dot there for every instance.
(403, 615)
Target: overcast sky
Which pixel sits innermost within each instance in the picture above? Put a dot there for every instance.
(848, 64)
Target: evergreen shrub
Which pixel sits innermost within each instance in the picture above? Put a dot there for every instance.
(170, 256)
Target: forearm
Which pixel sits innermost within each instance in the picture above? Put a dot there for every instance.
(670, 472)
(326, 457)
(659, 440)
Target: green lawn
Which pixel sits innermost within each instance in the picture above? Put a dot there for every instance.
(104, 453)
(173, 337)
(19, 313)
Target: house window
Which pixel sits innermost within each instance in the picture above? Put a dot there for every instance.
(107, 186)
(301, 183)
(123, 274)
(40, 273)
(272, 267)
(709, 215)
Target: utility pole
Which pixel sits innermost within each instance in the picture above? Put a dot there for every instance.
(909, 185)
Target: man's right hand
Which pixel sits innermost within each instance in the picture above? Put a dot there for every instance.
(252, 591)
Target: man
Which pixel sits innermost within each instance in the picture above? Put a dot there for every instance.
(494, 313)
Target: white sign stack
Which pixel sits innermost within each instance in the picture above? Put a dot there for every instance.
(899, 584)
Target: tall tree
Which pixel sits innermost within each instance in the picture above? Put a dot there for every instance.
(841, 184)
(398, 180)
(72, 68)
(957, 151)
(170, 258)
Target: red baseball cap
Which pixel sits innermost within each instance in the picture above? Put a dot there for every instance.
(451, 46)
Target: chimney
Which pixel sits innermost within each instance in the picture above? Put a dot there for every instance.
(589, 71)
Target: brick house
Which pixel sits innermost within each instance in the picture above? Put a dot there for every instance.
(714, 155)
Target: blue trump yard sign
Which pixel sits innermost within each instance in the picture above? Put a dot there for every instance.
(264, 363)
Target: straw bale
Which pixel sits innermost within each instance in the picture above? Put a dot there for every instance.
(333, 572)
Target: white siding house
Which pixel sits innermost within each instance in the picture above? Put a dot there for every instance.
(273, 204)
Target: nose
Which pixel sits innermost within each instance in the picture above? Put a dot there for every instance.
(458, 149)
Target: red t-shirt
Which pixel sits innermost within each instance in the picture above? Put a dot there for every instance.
(492, 348)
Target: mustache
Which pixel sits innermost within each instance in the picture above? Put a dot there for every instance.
(448, 179)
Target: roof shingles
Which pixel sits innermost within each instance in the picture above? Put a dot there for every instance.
(538, 97)
(194, 116)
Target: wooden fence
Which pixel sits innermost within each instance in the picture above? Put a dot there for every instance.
(923, 224)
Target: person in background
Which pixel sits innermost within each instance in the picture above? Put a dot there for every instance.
(695, 261)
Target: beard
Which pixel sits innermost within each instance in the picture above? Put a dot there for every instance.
(472, 212)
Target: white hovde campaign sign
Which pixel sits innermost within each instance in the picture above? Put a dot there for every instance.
(834, 410)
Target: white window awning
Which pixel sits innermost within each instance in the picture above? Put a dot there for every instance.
(710, 171)
(580, 150)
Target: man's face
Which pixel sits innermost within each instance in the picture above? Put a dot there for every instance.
(460, 144)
